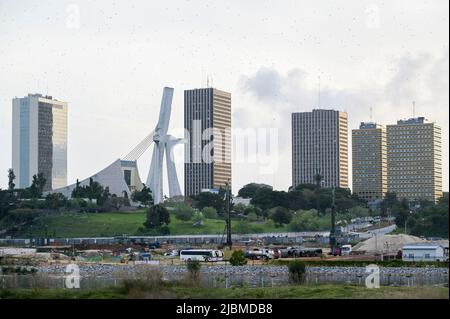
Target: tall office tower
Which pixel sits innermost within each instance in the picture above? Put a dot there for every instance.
(207, 121)
(415, 159)
(39, 140)
(369, 161)
(320, 147)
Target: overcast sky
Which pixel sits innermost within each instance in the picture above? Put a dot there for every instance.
(110, 60)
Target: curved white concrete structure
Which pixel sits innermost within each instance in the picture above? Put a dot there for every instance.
(123, 175)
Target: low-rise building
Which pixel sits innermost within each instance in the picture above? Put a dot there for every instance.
(423, 252)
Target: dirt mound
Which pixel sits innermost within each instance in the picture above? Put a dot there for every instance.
(386, 243)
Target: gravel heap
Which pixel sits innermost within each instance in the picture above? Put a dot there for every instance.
(386, 243)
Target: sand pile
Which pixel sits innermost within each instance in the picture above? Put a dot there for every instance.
(386, 243)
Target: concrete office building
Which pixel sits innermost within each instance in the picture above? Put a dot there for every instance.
(369, 153)
(207, 121)
(415, 159)
(39, 140)
(320, 146)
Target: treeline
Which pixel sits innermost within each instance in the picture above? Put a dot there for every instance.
(21, 207)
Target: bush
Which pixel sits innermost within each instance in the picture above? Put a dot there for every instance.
(238, 258)
(193, 267)
(209, 212)
(184, 212)
(251, 217)
(297, 271)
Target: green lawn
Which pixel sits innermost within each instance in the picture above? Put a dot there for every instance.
(286, 292)
(119, 223)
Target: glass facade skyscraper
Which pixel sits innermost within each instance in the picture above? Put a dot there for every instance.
(39, 140)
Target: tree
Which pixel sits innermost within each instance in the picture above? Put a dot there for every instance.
(37, 185)
(193, 267)
(251, 217)
(77, 191)
(103, 199)
(184, 212)
(209, 212)
(94, 190)
(281, 215)
(401, 212)
(297, 271)
(118, 202)
(144, 196)
(11, 178)
(238, 258)
(209, 199)
(157, 216)
(249, 190)
(55, 200)
(305, 221)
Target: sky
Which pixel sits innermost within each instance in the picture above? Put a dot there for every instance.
(111, 59)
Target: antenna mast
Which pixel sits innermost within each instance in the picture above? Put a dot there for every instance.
(371, 115)
(414, 108)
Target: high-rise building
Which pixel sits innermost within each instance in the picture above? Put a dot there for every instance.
(415, 159)
(320, 147)
(39, 140)
(207, 122)
(369, 161)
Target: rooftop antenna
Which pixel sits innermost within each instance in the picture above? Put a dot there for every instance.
(371, 117)
(414, 108)
(207, 80)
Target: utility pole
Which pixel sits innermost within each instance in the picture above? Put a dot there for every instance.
(228, 214)
(333, 222)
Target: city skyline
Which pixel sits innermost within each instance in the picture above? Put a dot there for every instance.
(110, 69)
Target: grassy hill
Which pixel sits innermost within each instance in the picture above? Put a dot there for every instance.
(119, 223)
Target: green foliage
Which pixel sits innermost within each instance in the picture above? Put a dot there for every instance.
(249, 190)
(251, 217)
(242, 227)
(11, 178)
(207, 199)
(209, 212)
(238, 258)
(55, 200)
(193, 267)
(401, 212)
(297, 271)
(306, 221)
(184, 212)
(280, 215)
(117, 202)
(144, 196)
(93, 190)
(431, 221)
(198, 218)
(157, 216)
(306, 197)
(37, 186)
